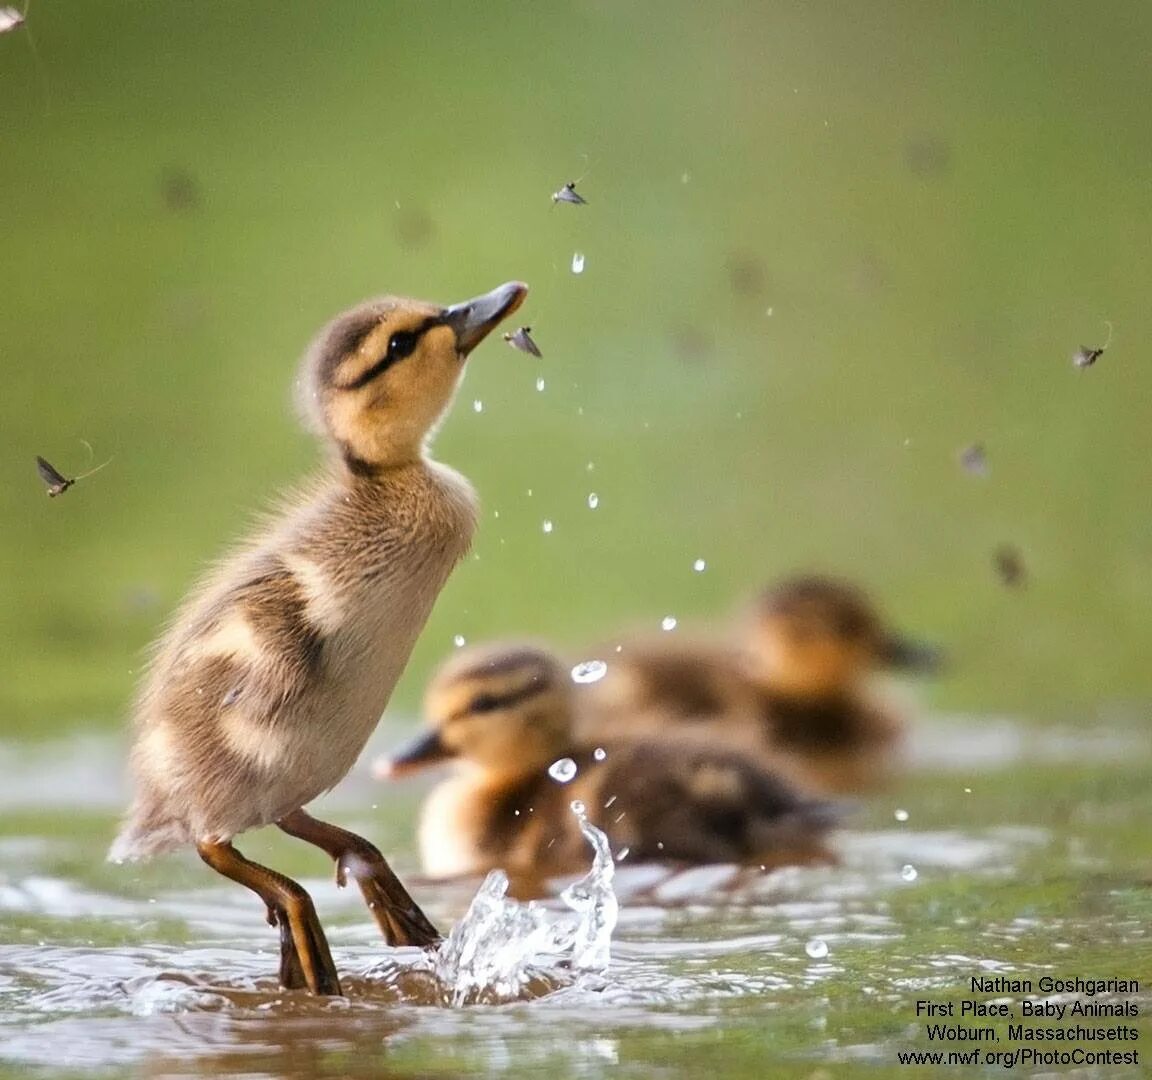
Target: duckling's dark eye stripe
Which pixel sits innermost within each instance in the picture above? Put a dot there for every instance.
(412, 339)
(488, 702)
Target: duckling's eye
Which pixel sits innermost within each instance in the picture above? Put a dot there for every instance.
(401, 344)
(483, 703)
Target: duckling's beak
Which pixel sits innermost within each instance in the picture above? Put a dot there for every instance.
(473, 320)
(424, 750)
(908, 655)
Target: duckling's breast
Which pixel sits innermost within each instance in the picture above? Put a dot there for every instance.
(372, 576)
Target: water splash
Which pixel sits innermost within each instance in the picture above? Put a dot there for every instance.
(589, 671)
(562, 770)
(578, 263)
(502, 949)
(593, 501)
(817, 948)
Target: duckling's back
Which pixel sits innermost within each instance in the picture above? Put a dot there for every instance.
(265, 689)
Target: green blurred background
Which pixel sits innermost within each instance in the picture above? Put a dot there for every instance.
(827, 245)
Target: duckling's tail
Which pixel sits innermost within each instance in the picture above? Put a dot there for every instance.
(147, 831)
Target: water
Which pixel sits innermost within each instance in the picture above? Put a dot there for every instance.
(562, 770)
(162, 970)
(502, 950)
(817, 948)
(589, 671)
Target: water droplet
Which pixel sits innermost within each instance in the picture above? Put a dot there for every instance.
(459, 641)
(593, 501)
(908, 872)
(540, 385)
(578, 262)
(622, 854)
(685, 177)
(817, 948)
(590, 466)
(967, 791)
(562, 770)
(547, 526)
(699, 566)
(668, 622)
(589, 671)
(599, 753)
(577, 807)
(477, 405)
(901, 815)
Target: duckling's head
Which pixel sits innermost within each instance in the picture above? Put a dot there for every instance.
(504, 708)
(378, 378)
(817, 637)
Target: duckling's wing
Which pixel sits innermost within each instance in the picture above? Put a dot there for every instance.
(257, 647)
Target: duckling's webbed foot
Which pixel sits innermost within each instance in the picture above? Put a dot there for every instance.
(400, 920)
(305, 959)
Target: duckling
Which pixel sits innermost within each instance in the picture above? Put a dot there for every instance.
(506, 713)
(795, 691)
(264, 690)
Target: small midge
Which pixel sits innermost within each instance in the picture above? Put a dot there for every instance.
(974, 460)
(10, 19)
(521, 339)
(567, 194)
(1087, 355)
(1009, 564)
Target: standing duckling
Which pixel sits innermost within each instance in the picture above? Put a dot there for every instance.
(264, 690)
(505, 714)
(796, 691)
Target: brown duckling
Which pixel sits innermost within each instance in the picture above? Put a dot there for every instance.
(796, 691)
(505, 715)
(263, 691)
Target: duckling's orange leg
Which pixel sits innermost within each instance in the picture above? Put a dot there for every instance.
(305, 959)
(396, 913)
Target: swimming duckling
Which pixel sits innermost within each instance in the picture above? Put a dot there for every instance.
(265, 688)
(505, 713)
(796, 691)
